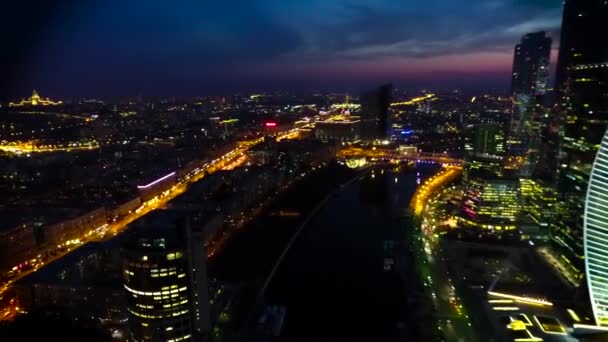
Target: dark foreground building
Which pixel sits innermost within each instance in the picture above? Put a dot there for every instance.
(375, 115)
(582, 79)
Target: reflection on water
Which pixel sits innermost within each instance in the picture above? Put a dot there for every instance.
(333, 281)
(374, 187)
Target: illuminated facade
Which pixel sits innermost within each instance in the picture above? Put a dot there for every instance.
(489, 201)
(484, 149)
(582, 72)
(538, 202)
(596, 235)
(165, 280)
(35, 100)
(493, 205)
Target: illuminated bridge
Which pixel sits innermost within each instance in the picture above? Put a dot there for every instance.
(379, 155)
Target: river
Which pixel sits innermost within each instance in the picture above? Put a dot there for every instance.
(332, 280)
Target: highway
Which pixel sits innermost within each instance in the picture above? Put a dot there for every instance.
(22, 148)
(228, 161)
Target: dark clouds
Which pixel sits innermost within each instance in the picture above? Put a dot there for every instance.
(174, 46)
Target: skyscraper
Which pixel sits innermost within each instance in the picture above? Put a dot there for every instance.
(375, 115)
(484, 148)
(531, 65)
(581, 37)
(528, 85)
(165, 280)
(490, 201)
(582, 78)
(596, 235)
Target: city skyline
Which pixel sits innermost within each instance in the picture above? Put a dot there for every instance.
(161, 49)
(305, 170)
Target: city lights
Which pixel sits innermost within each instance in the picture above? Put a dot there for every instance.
(521, 299)
(442, 169)
(431, 185)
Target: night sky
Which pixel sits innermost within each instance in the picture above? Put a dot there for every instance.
(118, 47)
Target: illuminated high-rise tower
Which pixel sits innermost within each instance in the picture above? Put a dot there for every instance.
(165, 280)
(582, 32)
(596, 235)
(484, 149)
(490, 202)
(582, 79)
(531, 65)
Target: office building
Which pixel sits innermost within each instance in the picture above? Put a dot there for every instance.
(490, 201)
(531, 65)
(596, 235)
(165, 279)
(86, 283)
(484, 139)
(491, 204)
(538, 204)
(484, 150)
(581, 78)
(528, 86)
(375, 121)
(582, 33)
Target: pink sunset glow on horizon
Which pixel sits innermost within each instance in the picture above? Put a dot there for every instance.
(437, 67)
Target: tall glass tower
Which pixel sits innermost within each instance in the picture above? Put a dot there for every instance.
(596, 235)
(528, 87)
(582, 78)
(531, 65)
(165, 279)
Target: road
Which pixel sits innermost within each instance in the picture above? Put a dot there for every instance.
(452, 317)
(229, 160)
(30, 148)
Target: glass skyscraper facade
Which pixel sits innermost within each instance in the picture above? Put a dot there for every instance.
(490, 201)
(484, 150)
(582, 81)
(596, 235)
(531, 64)
(528, 86)
(165, 280)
